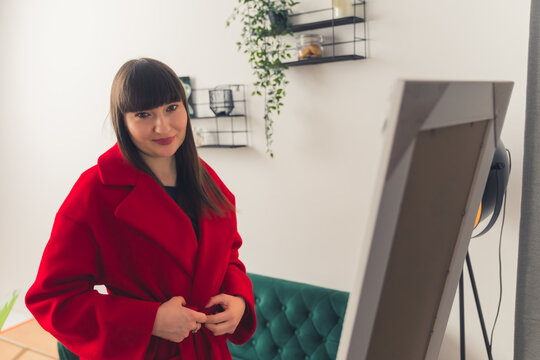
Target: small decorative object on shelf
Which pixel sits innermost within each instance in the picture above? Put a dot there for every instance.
(221, 120)
(309, 46)
(186, 81)
(200, 136)
(343, 8)
(221, 100)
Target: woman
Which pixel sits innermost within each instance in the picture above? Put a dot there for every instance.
(155, 225)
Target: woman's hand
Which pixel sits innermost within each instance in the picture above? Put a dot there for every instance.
(174, 321)
(225, 322)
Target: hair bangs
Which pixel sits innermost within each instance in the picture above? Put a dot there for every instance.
(149, 85)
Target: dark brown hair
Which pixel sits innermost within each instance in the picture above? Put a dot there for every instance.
(143, 84)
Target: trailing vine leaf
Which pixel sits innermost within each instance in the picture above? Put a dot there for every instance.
(267, 53)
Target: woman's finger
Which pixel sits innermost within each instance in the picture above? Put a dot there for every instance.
(219, 317)
(180, 299)
(197, 316)
(197, 328)
(219, 329)
(218, 299)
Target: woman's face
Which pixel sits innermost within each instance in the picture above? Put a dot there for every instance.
(160, 131)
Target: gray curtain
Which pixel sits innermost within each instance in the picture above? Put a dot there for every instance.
(527, 325)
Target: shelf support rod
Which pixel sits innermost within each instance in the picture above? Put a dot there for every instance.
(333, 32)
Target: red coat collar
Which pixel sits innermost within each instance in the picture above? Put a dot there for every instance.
(114, 169)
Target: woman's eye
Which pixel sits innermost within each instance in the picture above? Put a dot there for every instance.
(142, 115)
(172, 108)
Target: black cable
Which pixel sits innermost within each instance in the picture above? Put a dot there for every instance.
(509, 162)
(500, 256)
(500, 275)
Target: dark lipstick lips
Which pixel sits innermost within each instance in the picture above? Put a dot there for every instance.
(164, 141)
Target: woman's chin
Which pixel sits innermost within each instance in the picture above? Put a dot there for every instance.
(161, 151)
(167, 152)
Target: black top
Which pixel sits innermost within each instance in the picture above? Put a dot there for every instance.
(173, 193)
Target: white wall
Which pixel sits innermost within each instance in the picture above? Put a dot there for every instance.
(302, 213)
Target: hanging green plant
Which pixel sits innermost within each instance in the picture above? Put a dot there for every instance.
(264, 22)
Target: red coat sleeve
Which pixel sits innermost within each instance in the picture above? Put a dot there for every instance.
(64, 302)
(237, 283)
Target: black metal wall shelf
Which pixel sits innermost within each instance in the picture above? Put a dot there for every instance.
(359, 16)
(325, 60)
(220, 132)
(207, 103)
(213, 117)
(327, 23)
(227, 131)
(222, 146)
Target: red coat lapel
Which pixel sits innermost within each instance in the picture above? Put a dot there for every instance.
(212, 258)
(150, 210)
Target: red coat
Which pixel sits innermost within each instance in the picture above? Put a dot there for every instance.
(119, 228)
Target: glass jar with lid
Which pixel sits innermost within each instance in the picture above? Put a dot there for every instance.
(309, 46)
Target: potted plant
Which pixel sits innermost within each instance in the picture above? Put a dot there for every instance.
(6, 304)
(264, 22)
(279, 20)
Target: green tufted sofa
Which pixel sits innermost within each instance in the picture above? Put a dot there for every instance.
(295, 321)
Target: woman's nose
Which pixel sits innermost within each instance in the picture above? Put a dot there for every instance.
(161, 126)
